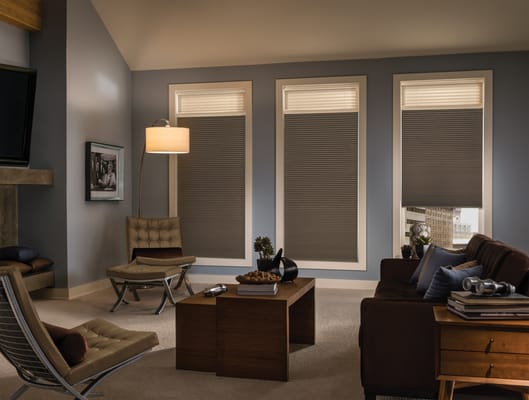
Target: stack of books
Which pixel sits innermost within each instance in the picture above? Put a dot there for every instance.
(265, 289)
(471, 306)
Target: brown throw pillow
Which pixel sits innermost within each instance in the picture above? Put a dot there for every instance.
(71, 344)
(465, 265)
(40, 263)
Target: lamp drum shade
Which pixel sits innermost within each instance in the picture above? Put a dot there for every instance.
(166, 139)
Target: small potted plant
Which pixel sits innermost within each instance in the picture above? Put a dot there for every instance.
(263, 247)
(406, 251)
(421, 245)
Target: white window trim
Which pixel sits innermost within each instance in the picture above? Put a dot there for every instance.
(280, 172)
(485, 213)
(173, 167)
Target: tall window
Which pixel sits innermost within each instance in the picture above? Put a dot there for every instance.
(320, 172)
(443, 155)
(211, 186)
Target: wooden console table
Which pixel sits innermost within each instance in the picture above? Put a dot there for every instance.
(481, 352)
(245, 336)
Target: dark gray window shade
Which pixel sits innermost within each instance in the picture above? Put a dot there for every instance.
(321, 186)
(442, 158)
(211, 187)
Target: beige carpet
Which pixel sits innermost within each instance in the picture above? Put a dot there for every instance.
(327, 370)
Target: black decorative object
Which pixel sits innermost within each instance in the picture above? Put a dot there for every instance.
(290, 270)
(406, 251)
(270, 265)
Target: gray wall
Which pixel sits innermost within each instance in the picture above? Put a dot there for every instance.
(42, 210)
(511, 139)
(83, 94)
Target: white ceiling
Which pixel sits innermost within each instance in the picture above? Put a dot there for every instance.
(163, 34)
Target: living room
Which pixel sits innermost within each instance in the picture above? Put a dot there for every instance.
(94, 95)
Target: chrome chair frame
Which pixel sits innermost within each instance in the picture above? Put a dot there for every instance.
(135, 284)
(19, 346)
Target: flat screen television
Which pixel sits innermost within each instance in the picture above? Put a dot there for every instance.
(17, 98)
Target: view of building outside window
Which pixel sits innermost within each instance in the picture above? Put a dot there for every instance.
(449, 227)
(466, 223)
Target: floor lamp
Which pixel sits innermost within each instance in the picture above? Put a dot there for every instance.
(162, 138)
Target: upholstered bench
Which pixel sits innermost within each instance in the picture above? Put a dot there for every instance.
(149, 271)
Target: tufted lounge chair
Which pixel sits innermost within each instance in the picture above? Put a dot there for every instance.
(155, 259)
(26, 343)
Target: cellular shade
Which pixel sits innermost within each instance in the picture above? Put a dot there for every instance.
(321, 186)
(211, 187)
(442, 158)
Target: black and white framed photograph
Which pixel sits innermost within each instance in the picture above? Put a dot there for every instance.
(104, 171)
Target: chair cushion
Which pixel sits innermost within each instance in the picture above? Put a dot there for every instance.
(153, 232)
(141, 272)
(166, 261)
(157, 252)
(108, 345)
(71, 344)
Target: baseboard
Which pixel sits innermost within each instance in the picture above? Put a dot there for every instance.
(201, 279)
(320, 282)
(76, 291)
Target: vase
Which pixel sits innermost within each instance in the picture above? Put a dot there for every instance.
(406, 253)
(270, 264)
(290, 270)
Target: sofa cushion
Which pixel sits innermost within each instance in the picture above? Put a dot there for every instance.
(514, 268)
(475, 245)
(447, 279)
(438, 258)
(396, 290)
(491, 255)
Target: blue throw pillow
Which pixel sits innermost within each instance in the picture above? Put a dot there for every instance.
(426, 256)
(439, 257)
(447, 279)
(18, 253)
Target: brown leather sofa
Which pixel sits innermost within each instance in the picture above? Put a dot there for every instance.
(397, 327)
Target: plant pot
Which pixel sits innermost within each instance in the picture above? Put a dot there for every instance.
(268, 265)
(406, 253)
(419, 250)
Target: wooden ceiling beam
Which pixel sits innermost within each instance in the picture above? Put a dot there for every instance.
(22, 13)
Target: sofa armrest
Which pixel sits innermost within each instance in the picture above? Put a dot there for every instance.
(397, 269)
(397, 347)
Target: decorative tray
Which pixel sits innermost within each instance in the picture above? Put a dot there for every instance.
(258, 278)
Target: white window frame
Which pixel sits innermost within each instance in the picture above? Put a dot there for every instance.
(361, 81)
(485, 213)
(220, 87)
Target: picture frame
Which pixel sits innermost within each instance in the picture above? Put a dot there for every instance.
(104, 171)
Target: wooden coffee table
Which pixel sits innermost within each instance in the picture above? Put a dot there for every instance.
(245, 336)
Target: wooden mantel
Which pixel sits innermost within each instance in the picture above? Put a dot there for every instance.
(22, 13)
(25, 176)
(10, 179)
